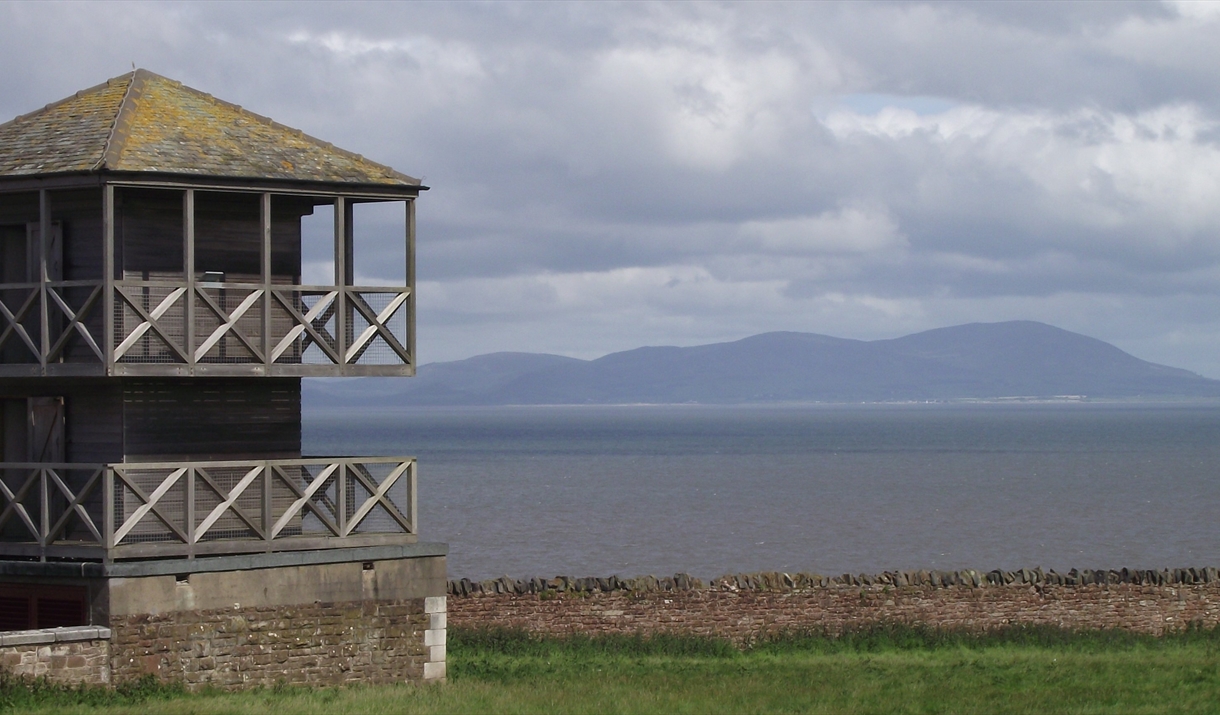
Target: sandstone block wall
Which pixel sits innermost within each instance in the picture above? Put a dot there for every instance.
(63, 655)
(333, 623)
(316, 644)
(749, 606)
(308, 619)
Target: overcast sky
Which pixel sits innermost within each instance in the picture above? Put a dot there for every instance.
(608, 176)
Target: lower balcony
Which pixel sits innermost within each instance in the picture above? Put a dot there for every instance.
(112, 512)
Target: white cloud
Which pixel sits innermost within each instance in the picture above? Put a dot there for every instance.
(847, 230)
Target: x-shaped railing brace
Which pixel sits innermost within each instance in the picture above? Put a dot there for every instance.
(150, 504)
(305, 500)
(228, 502)
(13, 321)
(311, 323)
(74, 322)
(376, 326)
(16, 507)
(228, 324)
(75, 506)
(377, 492)
(150, 319)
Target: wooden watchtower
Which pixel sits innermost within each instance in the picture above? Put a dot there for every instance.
(160, 302)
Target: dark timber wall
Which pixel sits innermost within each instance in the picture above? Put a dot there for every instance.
(149, 234)
(153, 419)
(208, 418)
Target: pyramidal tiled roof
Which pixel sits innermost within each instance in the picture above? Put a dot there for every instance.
(143, 122)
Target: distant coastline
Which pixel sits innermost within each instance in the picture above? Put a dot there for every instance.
(1018, 362)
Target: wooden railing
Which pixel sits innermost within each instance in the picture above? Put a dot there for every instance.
(58, 322)
(166, 327)
(284, 329)
(169, 509)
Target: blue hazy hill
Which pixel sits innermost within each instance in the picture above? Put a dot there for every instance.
(978, 360)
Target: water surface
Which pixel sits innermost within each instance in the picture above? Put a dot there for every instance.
(712, 490)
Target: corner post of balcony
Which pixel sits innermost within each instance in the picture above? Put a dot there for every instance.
(412, 494)
(188, 263)
(341, 495)
(411, 287)
(44, 232)
(107, 509)
(108, 282)
(265, 217)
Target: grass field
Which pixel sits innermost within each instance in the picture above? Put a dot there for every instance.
(883, 670)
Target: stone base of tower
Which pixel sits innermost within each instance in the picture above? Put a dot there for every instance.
(364, 615)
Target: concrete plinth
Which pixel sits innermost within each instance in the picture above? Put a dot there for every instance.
(369, 615)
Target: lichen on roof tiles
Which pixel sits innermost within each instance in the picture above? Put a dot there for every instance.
(143, 122)
(69, 135)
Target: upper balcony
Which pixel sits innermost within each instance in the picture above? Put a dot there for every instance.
(151, 229)
(181, 278)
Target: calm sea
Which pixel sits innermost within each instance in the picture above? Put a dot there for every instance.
(713, 490)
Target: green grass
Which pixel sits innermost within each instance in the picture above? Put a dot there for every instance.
(879, 670)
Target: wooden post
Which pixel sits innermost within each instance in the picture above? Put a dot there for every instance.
(268, 516)
(265, 215)
(107, 509)
(341, 496)
(341, 233)
(412, 502)
(44, 514)
(349, 274)
(189, 511)
(188, 264)
(108, 283)
(44, 230)
(411, 284)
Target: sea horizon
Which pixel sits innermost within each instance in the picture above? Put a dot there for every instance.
(709, 490)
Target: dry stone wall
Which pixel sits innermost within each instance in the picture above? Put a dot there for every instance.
(745, 607)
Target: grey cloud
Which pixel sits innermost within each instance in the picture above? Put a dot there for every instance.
(601, 171)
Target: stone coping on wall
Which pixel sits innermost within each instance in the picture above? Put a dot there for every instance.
(778, 581)
(42, 636)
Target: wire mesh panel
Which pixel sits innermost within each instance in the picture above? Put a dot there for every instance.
(314, 506)
(378, 320)
(381, 497)
(304, 326)
(149, 323)
(228, 324)
(228, 502)
(150, 504)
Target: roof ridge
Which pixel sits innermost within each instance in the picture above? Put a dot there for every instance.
(75, 95)
(110, 154)
(272, 123)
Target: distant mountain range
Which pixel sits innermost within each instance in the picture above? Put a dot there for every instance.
(1018, 359)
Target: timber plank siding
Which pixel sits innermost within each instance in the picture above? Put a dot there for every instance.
(211, 418)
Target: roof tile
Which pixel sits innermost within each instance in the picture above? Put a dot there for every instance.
(143, 122)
